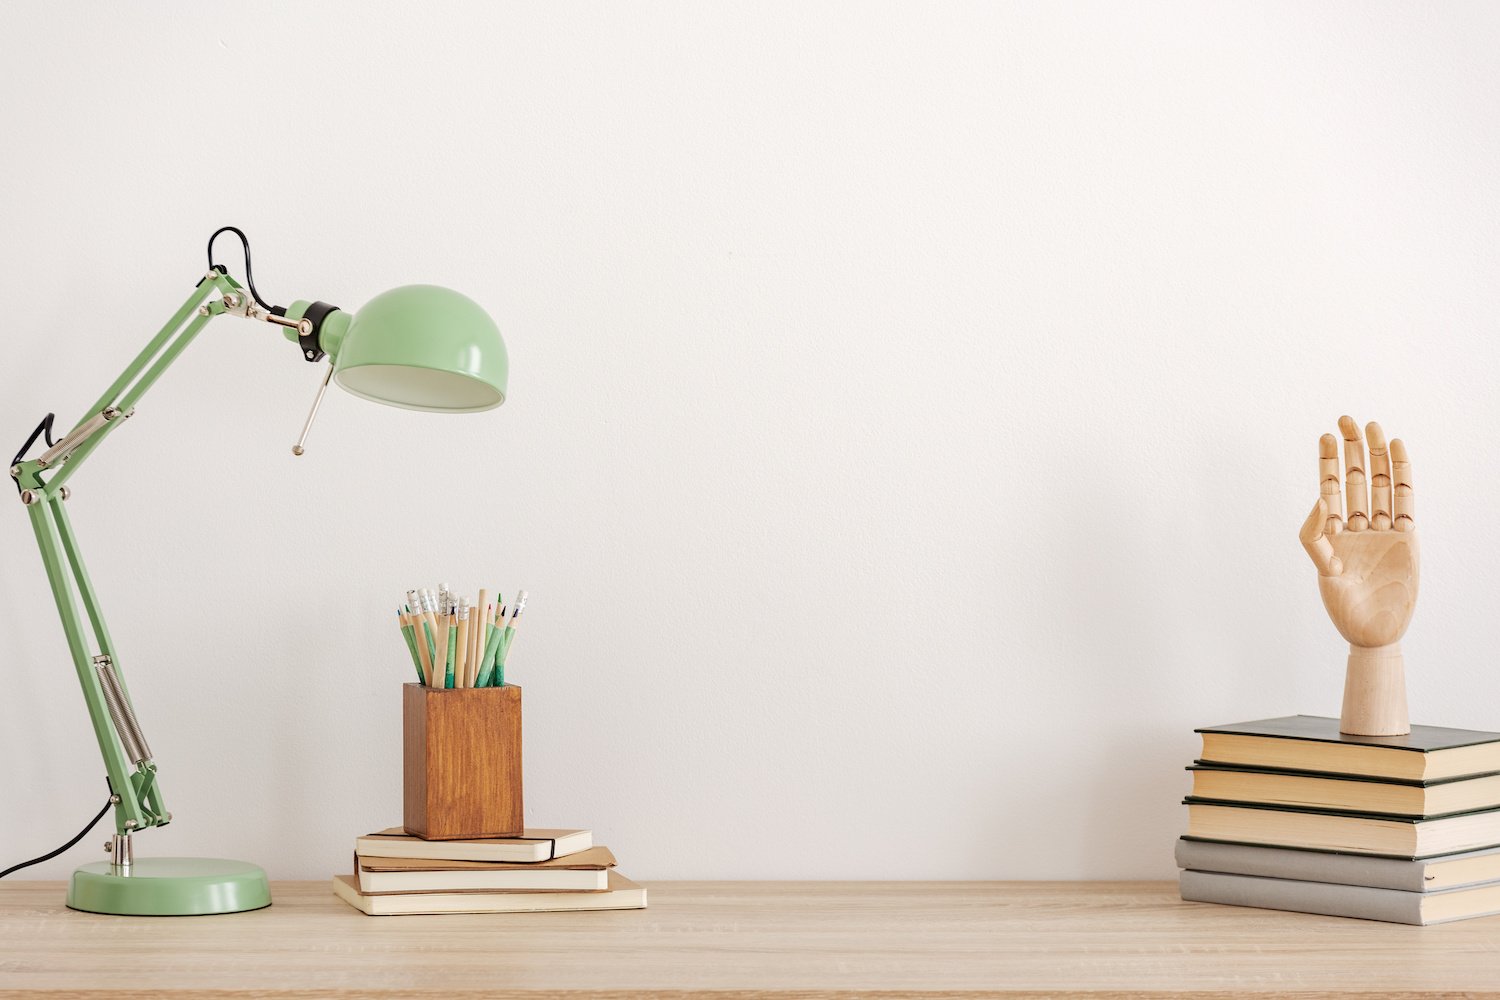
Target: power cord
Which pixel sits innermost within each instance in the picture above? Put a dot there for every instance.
(43, 431)
(49, 856)
(249, 278)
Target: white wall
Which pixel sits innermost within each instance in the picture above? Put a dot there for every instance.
(912, 406)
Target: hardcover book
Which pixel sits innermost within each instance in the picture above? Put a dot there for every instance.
(1314, 743)
(1335, 900)
(1347, 832)
(1346, 869)
(1348, 793)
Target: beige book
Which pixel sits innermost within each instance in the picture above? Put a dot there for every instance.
(512, 880)
(531, 845)
(1314, 743)
(622, 894)
(1305, 790)
(1355, 834)
(586, 871)
(594, 857)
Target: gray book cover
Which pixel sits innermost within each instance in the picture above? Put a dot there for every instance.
(1308, 866)
(1363, 902)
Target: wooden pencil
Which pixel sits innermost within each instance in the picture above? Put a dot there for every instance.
(442, 641)
(476, 632)
(419, 643)
(484, 646)
(461, 655)
(429, 614)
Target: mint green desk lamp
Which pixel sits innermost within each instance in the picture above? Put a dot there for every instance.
(420, 347)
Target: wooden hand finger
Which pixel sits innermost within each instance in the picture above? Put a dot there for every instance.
(1315, 540)
(1380, 478)
(1328, 473)
(1405, 500)
(1356, 492)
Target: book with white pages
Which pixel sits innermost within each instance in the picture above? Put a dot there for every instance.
(622, 894)
(585, 871)
(530, 846)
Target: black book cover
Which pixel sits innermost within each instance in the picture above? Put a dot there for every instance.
(1208, 765)
(1193, 800)
(1318, 729)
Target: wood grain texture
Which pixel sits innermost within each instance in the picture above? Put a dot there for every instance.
(462, 762)
(748, 939)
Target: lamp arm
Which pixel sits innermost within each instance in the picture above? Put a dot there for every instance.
(63, 458)
(127, 757)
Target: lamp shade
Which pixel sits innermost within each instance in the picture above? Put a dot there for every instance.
(423, 347)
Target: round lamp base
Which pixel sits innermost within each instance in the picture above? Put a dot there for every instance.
(169, 887)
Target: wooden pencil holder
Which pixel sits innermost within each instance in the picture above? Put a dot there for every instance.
(462, 762)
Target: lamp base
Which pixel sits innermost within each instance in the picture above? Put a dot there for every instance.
(169, 887)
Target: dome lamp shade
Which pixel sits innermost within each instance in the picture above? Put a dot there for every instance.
(419, 347)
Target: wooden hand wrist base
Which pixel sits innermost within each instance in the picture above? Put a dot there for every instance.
(1375, 692)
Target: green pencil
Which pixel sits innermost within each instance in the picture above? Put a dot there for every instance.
(491, 650)
(498, 608)
(452, 651)
(409, 634)
(510, 635)
(431, 646)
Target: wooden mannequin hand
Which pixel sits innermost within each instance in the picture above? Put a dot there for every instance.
(1367, 571)
(1371, 600)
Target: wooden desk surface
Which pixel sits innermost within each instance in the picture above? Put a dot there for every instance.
(746, 939)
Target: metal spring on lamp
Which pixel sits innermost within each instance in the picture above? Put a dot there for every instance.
(126, 725)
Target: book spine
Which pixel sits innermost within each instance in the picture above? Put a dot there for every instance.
(1307, 866)
(1390, 905)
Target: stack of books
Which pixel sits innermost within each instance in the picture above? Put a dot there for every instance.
(540, 870)
(1290, 814)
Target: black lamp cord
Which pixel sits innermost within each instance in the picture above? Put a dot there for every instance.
(43, 430)
(52, 854)
(249, 278)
